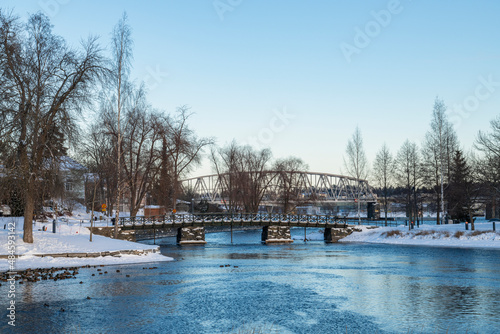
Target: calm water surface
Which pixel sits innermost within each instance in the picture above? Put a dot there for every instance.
(299, 288)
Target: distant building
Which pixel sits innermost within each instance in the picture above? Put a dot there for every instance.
(72, 175)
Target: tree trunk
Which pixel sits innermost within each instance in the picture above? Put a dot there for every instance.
(438, 208)
(133, 211)
(29, 207)
(385, 210)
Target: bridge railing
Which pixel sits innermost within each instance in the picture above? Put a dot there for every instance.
(227, 218)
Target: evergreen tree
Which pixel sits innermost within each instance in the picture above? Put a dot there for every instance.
(458, 193)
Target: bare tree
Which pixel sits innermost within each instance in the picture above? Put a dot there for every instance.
(96, 151)
(226, 165)
(489, 143)
(488, 174)
(45, 84)
(288, 172)
(383, 171)
(257, 178)
(244, 174)
(96, 183)
(356, 163)
(439, 145)
(408, 175)
(122, 57)
(141, 135)
(182, 147)
(488, 165)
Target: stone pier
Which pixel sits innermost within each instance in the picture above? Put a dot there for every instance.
(191, 236)
(332, 235)
(276, 234)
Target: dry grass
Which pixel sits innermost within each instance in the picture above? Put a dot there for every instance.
(476, 233)
(424, 233)
(392, 233)
(433, 233)
(446, 234)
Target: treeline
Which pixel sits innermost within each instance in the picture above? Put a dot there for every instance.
(440, 172)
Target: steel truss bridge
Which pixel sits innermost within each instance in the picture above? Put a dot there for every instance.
(312, 187)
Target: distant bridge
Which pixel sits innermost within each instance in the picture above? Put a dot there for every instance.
(312, 187)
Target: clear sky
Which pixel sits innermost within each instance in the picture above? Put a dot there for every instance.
(299, 76)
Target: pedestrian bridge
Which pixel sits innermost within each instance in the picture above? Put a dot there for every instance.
(275, 227)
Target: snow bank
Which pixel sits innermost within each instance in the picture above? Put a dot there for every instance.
(453, 235)
(26, 262)
(69, 238)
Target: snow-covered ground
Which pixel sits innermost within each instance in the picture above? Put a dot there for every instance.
(71, 237)
(452, 235)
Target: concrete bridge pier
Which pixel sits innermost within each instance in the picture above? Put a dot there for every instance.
(276, 235)
(191, 235)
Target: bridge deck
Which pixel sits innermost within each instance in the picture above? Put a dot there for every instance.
(204, 220)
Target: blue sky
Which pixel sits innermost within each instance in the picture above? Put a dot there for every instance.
(274, 73)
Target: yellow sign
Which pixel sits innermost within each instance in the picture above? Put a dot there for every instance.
(174, 211)
(104, 206)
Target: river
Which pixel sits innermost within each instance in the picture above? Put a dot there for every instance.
(309, 287)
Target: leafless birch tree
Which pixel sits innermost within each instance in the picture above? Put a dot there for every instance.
(383, 172)
(356, 163)
(439, 145)
(121, 39)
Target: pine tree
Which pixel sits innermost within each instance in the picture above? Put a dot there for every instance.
(459, 189)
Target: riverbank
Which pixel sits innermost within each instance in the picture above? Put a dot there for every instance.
(70, 246)
(452, 235)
